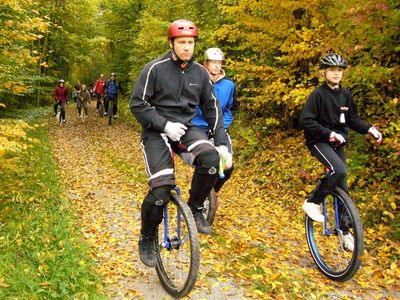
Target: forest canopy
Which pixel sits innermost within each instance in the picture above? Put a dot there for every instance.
(272, 49)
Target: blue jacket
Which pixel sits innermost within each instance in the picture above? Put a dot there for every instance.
(112, 87)
(225, 91)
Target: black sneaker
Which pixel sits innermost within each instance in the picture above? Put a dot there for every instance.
(201, 223)
(147, 251)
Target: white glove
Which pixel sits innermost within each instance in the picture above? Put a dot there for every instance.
(376, 134)
(174, 130)
(336, 137)
(226, 156)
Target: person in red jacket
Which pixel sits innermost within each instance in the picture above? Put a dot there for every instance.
(61, 97)
(99, 90)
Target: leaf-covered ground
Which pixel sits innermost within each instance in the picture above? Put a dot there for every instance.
(258, 249)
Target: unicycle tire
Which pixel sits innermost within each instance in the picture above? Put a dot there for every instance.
(327, 249)
(210, 207)
(59, 118)
(110, 113)
(178, 265)
(101, 109)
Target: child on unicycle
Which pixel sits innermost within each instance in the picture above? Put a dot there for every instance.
(326, 118)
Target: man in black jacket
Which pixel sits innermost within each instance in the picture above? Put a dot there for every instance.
(164, 101)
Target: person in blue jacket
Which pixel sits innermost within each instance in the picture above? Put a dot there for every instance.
(225, 90)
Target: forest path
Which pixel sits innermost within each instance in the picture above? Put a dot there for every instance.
(102, 172)
(258, 249)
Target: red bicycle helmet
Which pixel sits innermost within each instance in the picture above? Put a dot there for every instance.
(182, 28)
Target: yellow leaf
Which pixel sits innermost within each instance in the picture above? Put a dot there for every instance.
(393, 266)
(3, 283)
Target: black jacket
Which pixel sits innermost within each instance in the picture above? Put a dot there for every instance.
(164, 92)
(328, 110)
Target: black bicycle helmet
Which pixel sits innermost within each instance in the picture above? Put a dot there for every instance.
(333, 60)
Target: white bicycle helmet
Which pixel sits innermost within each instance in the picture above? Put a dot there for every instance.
(214, 54)
(333, 60)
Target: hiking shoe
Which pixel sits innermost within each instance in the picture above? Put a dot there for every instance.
(201, 223)
(148, 251)
(64, 121)
(105, 113)
(313, 211)
(54, 114)
(115, 116)
(348, 242)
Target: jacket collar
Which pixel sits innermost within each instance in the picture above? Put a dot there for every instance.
(217, 78)
(178, 62)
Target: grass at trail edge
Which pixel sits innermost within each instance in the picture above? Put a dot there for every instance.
(42, 253)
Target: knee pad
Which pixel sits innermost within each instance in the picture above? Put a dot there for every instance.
(208, 162)
(159, 195)
(151, 217)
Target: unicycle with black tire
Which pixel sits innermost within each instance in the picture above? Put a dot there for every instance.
(178, 248)
(210, 207)
(110, 111)
(100, 109)
(326, 241)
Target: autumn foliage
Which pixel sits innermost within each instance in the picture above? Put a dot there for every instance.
(272, 50)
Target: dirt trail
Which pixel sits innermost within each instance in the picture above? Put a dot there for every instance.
(102, 173)
(258, 248)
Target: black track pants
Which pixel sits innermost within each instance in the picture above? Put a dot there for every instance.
(335, 161)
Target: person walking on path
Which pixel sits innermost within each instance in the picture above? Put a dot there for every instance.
(83, 100)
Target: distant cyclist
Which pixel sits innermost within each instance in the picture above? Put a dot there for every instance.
(98, 90)
(225, 91)
(60, 97)
(111, 88)
(326, 118)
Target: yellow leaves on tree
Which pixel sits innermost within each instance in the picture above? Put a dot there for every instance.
(21, 24)
(13, 140)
